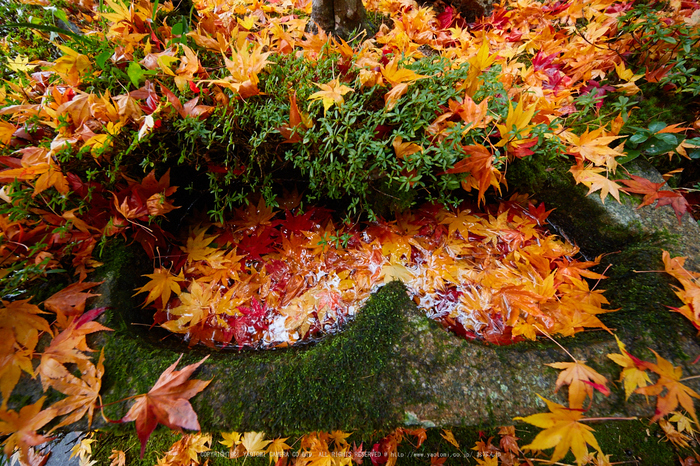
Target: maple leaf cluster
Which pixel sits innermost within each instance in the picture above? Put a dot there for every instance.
(22, 325)
(565, 428)
(261, 280)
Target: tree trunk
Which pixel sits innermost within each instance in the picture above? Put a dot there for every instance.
(339, 17)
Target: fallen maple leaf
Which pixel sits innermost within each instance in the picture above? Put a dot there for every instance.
(563, 431)
(581, 380)
(69, 347)
(449, 436)
(639, 185)
(676, 392)
(70, 301)
(167, 403)
(479, 165)
(161, 285)
(676, 200)
(593, 146)
(591, 178)
(82, 392)
(276, 449)
(253, 443)
(118, 458)
(231, 439)
(331, 93)
(634, 372)
(22, 427)
(186, 450)
(298, 120)
(517, 124)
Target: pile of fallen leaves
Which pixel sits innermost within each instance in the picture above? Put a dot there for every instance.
(263, 280)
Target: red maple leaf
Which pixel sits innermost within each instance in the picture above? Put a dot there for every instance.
(167, 403)
(639, 185)
(674, 199)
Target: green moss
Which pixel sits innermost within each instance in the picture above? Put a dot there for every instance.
(642, 292)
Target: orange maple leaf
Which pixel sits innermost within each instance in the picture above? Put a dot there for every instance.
(405, 149)
(20, 318)
(676, 392)
(690, 294)
(82, 392)
(298, 120)
(581, 380)
(593, 146)
(22, 427)
(13, 360)
(70, 301)
(167, 403)
(479, 165)
(69, 346)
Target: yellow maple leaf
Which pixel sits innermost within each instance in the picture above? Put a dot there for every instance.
(121, 13)
(197, 248)
(477, 64)
(231, 439)
(276, 449)
(449, 436)
(161, 285)
(563, 431)
(338, 437)
(253, 443)
(19, 63)
(245, 65)
(331, 93)
(72, 66)
(404, 149)
(395, 75)
(517, 124)
(590, 177)
(593, 146)
(633, 372)
(195, 307)
(396, 271)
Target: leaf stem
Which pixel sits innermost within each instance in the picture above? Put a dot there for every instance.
(555, 342)
(119, 401)
(597, 419)
(690, 378)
